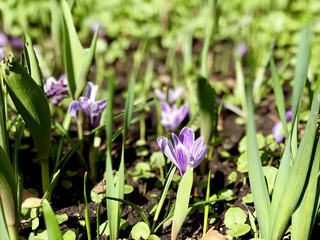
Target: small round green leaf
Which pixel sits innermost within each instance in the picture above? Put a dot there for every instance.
(140, 230)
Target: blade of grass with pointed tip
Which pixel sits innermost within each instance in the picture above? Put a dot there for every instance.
(32, 61)
(86, 64)
(48, 193)
(299, 82)
(73, 51)
(208, 109)
(297, 175)
(256, 177)
(113, 223)
(302, 223)
(52, 225)
(182, 202)
(32, 104)
(4, 138)
(86, 208)
(279, 96)
(164, 193)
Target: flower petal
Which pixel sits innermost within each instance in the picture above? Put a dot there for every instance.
(276, 131)
(183, 111)
(91, 91)
(199, 158)
(197, 146)
(173, 95)
(166, 147)
(160, 95)
(73, 108)
(187, 138)
(183, 158)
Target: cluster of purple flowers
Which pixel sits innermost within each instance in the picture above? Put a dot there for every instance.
(56, 89)
(171, 115)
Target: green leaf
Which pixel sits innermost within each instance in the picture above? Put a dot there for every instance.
(256, 176)
(233, 216)
(182, 202)
(4, 137)
(279, 96)
(61, 218)
(48, 193)
(69, 235)
(208, 109)
(86, 208)
(140, 230)
(32, 61)
(238, 230)
(30, 102)
(54, 232)
(3, 225)
(8, 194)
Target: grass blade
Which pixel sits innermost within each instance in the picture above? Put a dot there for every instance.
(53, 229)
(4, 138)
(32, 61)
(256, 176)
(299, 82)
(86, 208)
(297, 176)
(279, 96)
(3, 225)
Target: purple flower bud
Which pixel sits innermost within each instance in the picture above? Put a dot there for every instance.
(242, 49)
(173, 95)
(277, 127)
(171, 117)
(56, 90)
(16, 42)
(88, 104)
(94, 26)
(186, 151)
(3, 39)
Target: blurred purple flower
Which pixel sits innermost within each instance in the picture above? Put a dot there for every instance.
(3, 39)
(171, 117)
(242, 49)
(88, 104)
(173, 95)
(16, 42)
(186, 151)
(277, 128)
(94, 26)
(56, 89)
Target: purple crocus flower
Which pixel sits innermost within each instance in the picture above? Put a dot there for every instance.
(173, 95)
(186, 151)
(93, 29)
(56, 89)
(17, 42)
(242, 49)
(276, 130)
(3, 39)
(88, 104)
(171, 117)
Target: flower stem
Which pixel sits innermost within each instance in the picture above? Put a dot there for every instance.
(45, 174)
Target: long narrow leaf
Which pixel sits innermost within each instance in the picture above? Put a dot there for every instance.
(279, 96)
(302, 223)
(4, 138)
(3, 225)
(297, 176)
(32, 61)
(299, 82)
(256, 176)
(53, 229)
